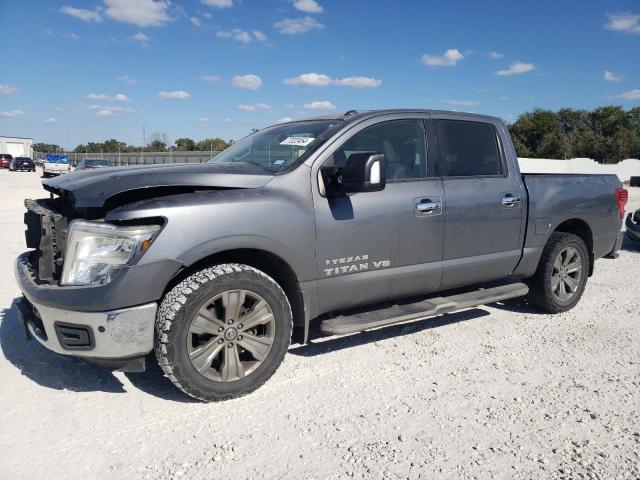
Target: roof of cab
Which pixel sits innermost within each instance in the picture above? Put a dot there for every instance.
(353, 115)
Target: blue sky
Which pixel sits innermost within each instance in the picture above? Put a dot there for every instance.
(88, 70)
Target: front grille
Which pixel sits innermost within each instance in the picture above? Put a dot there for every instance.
(46, 233)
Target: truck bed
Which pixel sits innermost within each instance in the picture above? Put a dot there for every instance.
(586, 199)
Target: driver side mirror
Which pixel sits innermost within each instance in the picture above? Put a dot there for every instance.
(364, 172)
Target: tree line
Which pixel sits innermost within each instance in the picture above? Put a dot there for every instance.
(606, 134)
(157, 143)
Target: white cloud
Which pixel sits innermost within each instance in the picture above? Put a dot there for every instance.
(295, 26)
(127, 79)
(310, 80)
(284, 120)
(612, 77)
(82, 14)
(97, 96)
(249, 82)
(242, 36)
(210, 78)
(254, 107)
(218, 3)
(321, 80)
(195, 21)
(462, 103)
(447, 59)
(119, 97)
(12, 113)
(50, 120)
(630, 95)
(516, 68)
(73, 36)
(175, 95)
(204, 120)
(321, 105)
(504, 98)
(141, 37)
(623, 22)
(308, 6)
(495, 55)
(259, 36)
(104, 111)
(143, 13)
(7, 89)
(358, 82)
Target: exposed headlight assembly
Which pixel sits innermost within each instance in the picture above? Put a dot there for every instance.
(96, 251)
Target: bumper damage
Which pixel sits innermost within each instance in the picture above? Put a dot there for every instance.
(116, 334)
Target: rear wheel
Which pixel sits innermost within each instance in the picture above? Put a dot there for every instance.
(223, 331)
(562, 274)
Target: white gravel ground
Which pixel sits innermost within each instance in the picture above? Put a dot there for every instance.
(493, 392)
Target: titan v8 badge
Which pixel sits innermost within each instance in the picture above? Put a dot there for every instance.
(359, 263)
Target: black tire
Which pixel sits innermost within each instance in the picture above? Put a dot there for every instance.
(540, 289)
(181, 304)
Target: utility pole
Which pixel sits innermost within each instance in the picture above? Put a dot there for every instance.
(144, 142)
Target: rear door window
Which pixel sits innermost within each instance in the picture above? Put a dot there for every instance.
(467, 149)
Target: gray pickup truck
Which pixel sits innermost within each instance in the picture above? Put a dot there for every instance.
(353, 221)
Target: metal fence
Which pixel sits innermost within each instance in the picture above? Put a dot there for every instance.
(137, 158)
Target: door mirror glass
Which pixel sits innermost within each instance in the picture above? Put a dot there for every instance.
(364, 172)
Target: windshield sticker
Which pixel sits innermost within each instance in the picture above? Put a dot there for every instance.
(299, 141)
(278, 162)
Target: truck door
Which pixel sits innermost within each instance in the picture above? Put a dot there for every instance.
(483, 202)
(375, 246)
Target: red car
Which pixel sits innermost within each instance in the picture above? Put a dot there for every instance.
(5, 160)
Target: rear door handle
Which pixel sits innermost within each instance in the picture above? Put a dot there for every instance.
(509, 201)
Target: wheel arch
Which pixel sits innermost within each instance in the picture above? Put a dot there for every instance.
(582, 229)
(271, 264)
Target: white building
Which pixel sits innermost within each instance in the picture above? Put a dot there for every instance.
(16, 146)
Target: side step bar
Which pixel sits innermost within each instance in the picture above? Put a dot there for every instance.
(361, 321)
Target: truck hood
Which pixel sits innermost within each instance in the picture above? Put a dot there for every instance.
(92, 189)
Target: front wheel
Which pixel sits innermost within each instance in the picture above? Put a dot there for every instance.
(223, 331)
(561, 275)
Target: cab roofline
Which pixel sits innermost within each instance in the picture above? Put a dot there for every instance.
(353, 115)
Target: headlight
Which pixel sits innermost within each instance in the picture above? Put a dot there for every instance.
(96, 251)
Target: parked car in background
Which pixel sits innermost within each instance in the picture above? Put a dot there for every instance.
(55, 165)
(22, 163)
(94, 163)
(633, 226)
(5, 160)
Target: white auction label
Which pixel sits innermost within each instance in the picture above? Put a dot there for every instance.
(300, 141)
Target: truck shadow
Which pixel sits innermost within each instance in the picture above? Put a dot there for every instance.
(320, 344)
(59, 372)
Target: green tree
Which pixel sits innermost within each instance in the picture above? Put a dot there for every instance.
(113, 145)
(185, 145)
(46, 147)
(158, 143)
(215, 144)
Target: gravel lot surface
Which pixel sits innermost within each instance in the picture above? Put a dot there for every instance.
(493, 392)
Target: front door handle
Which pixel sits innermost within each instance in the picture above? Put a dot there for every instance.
(428, 206)
(509, 201)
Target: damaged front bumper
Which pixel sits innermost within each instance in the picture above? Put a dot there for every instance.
(118, 334)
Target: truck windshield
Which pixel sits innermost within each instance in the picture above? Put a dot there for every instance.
(277, 148)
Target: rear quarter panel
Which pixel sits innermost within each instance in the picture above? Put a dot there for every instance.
(556, 198)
